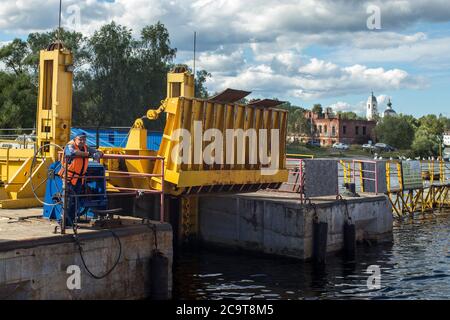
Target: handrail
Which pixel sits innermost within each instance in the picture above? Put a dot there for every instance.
(122, 174)
(311, 156)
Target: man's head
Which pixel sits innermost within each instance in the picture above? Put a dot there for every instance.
(80, 139)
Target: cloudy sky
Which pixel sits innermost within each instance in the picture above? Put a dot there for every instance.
(301, 51)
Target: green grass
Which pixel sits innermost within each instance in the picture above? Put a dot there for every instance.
(328, 152)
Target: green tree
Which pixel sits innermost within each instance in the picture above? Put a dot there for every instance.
(426, 142)
(427, 138)
(126, 76)
(432, 124)
(297, 122)
(395, 131)
(155, 59)
(13, 55)
(110, 89)
(17, 90)
(200, 89)
(17, 101)
(317, 108)
(349, 115)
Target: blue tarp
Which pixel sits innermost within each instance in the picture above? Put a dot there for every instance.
(116, 137)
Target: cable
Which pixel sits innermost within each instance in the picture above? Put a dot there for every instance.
(80, 249)
(154, 235)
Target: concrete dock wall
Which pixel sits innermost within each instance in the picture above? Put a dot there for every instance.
(285, 227)
(37, 269)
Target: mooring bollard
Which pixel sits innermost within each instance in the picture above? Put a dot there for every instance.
(320, 235)
(159, 272)
(349, 240)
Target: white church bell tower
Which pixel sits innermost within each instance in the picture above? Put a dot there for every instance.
(372, 107)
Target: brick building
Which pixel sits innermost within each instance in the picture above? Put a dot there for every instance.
(329, 128)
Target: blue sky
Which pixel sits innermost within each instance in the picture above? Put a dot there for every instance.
(302, 51)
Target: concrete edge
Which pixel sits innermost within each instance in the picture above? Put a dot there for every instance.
(68, 238)
(322, 204)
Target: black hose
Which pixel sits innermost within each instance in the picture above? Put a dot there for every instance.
(80, 249)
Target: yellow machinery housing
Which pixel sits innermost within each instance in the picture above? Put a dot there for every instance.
(194, 115)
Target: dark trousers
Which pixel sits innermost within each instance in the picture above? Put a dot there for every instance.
(73, 201)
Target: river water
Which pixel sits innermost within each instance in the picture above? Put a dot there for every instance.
(415, 266)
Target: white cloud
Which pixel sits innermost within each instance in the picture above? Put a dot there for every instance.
(260, 45)
(4, 43)
(427, 53)
(383, 99)
(320, 68)
(220, 61)
(317, 79)
(227, 22)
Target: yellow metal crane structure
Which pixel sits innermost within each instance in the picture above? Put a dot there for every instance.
(182, 112)
(53, 123)
(195, 116)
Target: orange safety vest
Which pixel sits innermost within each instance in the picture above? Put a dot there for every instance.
(77, 168)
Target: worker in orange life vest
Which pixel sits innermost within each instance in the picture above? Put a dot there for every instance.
(77, 154)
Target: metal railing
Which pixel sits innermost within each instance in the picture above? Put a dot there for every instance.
(432, 172)
(299, 155)
(111, 174)
(354, 172)
(363, 173)
(297, 172)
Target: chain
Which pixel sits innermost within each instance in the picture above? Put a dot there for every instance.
(186, 213)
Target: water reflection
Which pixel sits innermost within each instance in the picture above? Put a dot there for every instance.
(416, 265)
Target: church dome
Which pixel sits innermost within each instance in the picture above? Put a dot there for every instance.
(389, 111)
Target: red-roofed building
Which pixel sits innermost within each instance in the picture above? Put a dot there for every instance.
(329, 128)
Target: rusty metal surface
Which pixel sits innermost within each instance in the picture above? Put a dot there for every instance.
(266, 103)
(229, 96)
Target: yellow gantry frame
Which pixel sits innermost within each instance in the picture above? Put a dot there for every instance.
(53, 122)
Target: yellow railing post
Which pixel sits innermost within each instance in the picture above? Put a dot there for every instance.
(388, 176)
(7, 165)
(399, 174)
(361, 181)
(431, 171)
(311, 156)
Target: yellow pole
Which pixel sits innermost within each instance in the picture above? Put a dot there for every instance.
(431, 170)
(399, 174)
(388, 176)
(7, 165)
(361, 181)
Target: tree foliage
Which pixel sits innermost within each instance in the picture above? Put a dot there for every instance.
(317, 108)
(426, 143)
(17, 101)
(349, 115)
(297, 122)
(395, 131)
(200, 80)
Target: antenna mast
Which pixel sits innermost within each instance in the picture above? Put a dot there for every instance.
(195, 45)
(59, 21)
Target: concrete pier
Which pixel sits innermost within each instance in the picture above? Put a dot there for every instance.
(35, 262)
(277, 223)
